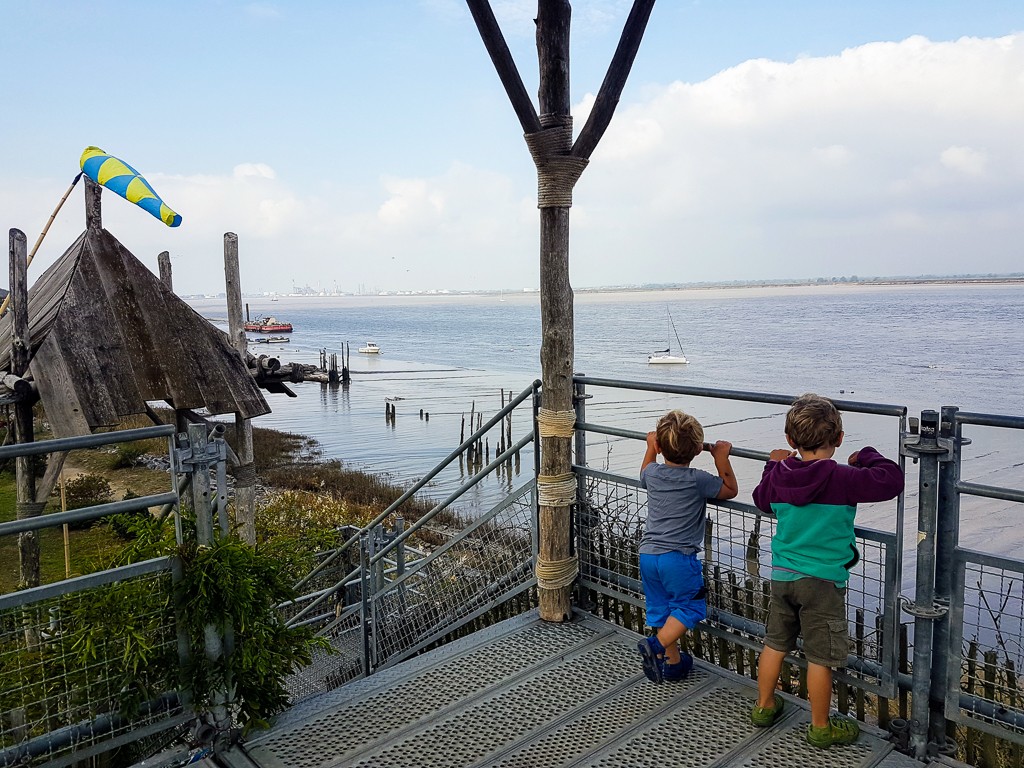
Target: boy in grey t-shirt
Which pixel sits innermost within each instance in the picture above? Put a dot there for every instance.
(672, 576)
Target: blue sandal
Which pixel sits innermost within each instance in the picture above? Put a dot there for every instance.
(651, 658)
(678, 671)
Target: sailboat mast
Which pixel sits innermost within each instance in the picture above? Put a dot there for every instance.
(674, 332)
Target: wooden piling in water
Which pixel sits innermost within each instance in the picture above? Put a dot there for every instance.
(333, 376)
(501, 442)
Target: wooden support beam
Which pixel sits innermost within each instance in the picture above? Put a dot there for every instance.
(556, 300)
(556, 295)
(21, 348)
(244, 471)
(505, 66)
(607, 98)
(93, 205)
(163, 261)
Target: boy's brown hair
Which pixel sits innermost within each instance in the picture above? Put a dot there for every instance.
(813, 422)
(680, 437)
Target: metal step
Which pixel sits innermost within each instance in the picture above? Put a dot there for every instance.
(531, 693)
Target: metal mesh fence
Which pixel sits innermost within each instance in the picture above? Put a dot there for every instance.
(737, 566)
(472, 571)
(79, 670)
(988, 628)
(470, 568)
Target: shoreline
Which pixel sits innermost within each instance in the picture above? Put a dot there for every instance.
(274, 305)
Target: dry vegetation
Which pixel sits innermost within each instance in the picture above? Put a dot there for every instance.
(298, 495)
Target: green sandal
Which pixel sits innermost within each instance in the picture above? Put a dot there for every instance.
(763, 717)
(840, 730)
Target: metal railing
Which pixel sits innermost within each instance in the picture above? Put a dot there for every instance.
(980, 599)
(378, 600)
(89, 663)
(737, 554)
(391, 592)
(966, 616)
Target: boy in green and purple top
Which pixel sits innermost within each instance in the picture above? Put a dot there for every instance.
(814, 500)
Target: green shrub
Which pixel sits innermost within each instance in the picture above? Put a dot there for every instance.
(127, 455)
(87, 491)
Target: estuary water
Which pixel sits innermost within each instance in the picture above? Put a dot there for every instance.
(919, 346)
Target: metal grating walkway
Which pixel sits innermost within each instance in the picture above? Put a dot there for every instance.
(530, 694)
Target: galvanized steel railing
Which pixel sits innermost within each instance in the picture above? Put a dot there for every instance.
(980, 597)
(966, 617)
(66, 692)
(378, 600)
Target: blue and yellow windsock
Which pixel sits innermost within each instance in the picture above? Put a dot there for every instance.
(117, 176)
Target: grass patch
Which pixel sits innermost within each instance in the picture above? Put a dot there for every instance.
(88, 548)
(271, 448)
(356, 488)
(317, 494)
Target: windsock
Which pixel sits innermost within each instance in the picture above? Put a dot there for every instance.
(117, 176)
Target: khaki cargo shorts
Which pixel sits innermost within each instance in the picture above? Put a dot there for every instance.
(815, 609)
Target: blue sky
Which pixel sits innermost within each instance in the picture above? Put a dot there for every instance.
(370, 145)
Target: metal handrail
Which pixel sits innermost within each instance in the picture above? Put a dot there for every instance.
(401, 538)
(743, 453)
(466, 445)
(851, 406)
(84, 441)
(85, 514)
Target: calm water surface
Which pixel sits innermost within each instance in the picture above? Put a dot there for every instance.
(918, 346)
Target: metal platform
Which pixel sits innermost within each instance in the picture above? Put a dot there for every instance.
(531, 694)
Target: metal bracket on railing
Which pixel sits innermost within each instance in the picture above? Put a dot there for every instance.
(187, 461)
(914, 445)
(936, 611)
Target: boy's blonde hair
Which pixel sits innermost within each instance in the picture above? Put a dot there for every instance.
(814, 422)
(680, 437)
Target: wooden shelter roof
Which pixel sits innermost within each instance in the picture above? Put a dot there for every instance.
(107, 336)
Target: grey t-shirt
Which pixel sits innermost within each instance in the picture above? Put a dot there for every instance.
(676, 507)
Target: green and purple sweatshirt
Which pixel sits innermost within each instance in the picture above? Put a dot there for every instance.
(815, 503)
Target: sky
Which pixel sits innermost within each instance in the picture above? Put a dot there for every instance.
(368, 145)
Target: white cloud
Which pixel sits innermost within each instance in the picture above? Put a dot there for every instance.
(259, 170)
(767, 160)
(970, 162)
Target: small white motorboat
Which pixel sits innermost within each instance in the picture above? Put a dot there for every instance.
(370, 349)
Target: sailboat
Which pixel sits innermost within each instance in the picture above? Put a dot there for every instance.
(665, 356)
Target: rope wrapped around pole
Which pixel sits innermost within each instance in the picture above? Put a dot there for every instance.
(245, 475)
(556, 490)
(556, 423)
(555, 574)
(29, 508)
(557, 169)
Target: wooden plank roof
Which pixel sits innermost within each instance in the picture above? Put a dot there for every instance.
(107, 336)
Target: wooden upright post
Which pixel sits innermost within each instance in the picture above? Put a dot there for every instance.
(21, 347)
(93, 205)
(164, 263)
(556, 298)
(245, 472)
(559, 163)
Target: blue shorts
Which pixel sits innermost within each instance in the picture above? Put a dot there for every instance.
(673, 586)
